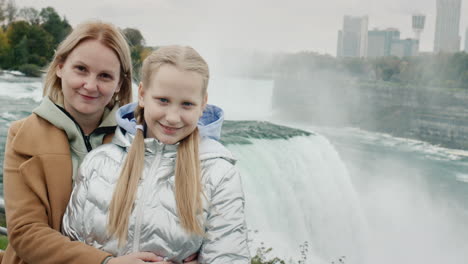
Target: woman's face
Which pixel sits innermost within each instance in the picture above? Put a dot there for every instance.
(173, 102)
(90, 76)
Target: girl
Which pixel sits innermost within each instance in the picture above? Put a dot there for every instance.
(160, 187)
(86, 82)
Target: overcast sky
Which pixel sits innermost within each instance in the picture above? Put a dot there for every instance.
(271, 25)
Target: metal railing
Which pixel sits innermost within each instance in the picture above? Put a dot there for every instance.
(3, 230)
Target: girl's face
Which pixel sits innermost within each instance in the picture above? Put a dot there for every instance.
(90, 77)
(173, 102)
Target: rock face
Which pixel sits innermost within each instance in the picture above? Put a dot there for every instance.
(435, 115)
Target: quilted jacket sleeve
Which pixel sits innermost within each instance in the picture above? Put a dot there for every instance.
(226, 232)
(73, 219)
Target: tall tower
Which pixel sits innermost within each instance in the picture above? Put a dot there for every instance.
(418, 24)
(447, 38)
(352, 40)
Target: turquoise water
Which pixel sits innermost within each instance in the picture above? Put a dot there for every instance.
(370, 197)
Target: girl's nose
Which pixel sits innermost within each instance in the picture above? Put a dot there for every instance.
(173, 116)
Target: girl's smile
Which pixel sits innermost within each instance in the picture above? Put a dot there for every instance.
(173, 102)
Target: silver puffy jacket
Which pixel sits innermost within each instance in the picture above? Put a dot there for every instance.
(154, 223)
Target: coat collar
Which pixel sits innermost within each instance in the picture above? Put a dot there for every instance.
(37, 136)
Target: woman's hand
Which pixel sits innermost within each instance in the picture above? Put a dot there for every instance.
(138, 258)
(148, 257)
(192, 259)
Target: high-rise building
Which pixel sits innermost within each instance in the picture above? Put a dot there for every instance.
(447, 38)
(339, 47)
(352, 39)
(466, 41)
(404, 47)
(380, 41)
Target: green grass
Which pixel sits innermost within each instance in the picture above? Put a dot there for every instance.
(3, 239)
(3, 242)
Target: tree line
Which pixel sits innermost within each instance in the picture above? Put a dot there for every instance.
(449, 70)
(29, 37)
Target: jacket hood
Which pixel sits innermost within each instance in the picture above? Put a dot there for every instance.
(57, 116)
(209, 125)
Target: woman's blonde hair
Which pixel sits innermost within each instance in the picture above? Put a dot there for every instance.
(111, 37)
(188, 188)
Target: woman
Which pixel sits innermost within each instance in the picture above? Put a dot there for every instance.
(88, 79)
(160, 167)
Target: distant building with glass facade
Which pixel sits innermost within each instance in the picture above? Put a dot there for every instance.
(380, 42)
(405, 47)
(447, 32)
(352, 39)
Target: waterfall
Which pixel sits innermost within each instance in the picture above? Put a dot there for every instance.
(298, 189)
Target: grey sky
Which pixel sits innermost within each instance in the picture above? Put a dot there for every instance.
(271, 25)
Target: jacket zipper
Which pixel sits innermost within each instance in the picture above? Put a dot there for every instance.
(86, 138)
(139, 209)
(87, 143)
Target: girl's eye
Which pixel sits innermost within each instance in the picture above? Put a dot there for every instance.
(163, 100)
(187, 104)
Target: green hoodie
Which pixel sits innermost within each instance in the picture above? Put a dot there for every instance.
(79, 146)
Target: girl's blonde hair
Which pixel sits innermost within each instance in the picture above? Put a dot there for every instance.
(188, 188)
(111, 37)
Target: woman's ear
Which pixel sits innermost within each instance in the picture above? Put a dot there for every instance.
(58, 70)
(119, 85)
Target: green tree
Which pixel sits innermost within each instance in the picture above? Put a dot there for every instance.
(30, 14)
(4, 50)
(356, 66)
(40, 45)
(2, 11)
(55, 25)
(136, 42)
(134, 37)
(20, 51)
(29, 44)
(16, 31)
(11, 11)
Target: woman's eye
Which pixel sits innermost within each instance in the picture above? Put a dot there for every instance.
(80, 68)
(106, 76)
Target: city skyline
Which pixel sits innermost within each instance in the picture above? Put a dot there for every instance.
(265, 25)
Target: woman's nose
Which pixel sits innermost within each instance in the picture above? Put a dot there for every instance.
(90, 84)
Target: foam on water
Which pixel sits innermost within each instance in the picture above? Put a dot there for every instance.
(382, 139)
(462, 177)
(21, 90)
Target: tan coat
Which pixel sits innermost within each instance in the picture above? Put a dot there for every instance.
(37, 186)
